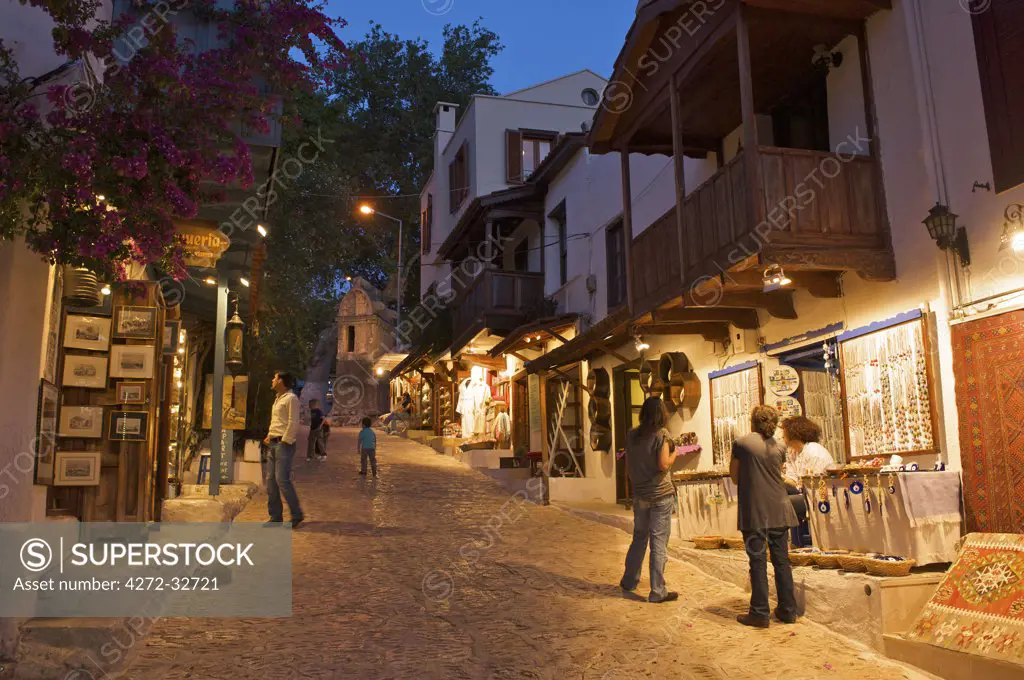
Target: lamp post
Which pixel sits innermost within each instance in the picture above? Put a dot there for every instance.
(369, 210)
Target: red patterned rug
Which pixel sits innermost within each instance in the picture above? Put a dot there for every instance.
(979, 606)
(988, 360)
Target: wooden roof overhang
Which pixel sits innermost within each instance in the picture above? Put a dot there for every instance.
(696, 45)
(538, 332)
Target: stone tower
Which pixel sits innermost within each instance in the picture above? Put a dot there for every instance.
(365, 332)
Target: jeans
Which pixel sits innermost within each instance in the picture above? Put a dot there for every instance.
(652, 523)
(372, 455)
(314, 444)
(279, 481)
(758, 544)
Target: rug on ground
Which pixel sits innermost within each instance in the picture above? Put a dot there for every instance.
(978, 607)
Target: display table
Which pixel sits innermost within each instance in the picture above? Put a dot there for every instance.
(707, 507)
(921, 520)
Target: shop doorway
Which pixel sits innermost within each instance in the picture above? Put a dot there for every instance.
(988, 362)
(521, 415)
(819, 395)
(629, 397)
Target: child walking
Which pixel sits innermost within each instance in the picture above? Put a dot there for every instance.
(367, 447)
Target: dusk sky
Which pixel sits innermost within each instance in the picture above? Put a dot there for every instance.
(543, 39)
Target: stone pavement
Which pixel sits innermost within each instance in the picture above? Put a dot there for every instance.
(434, 571)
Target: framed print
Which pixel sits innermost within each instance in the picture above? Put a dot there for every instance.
(84, 371)
(135, 322)
(132, 361)
(131, 392)
(172, 336)
(77, 468)
(46, 431)
(128, 426)
(87, 332)
(85, 422)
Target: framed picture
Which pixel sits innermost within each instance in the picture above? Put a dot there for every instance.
(46, 431)
(85, 422)
(128, 426)
(84, 371)
(131, 392)
(135, 322)
(172, 336)
(87, 332)
(77, 468)
(132, 361)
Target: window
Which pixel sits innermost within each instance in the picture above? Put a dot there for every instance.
(1000, 50)
(521, 256)
(559, 218)
(590, 96)
(350, 340)
(615, 253)
(426, 224)
(458, 179)
(525, 151)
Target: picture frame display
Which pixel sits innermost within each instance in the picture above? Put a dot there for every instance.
(82, 370)
(77, 468)
(83, 422)
(87, 332)
(132, 361)
(135, 322)
(46, 431)
(132, 392)
(128, 426)
(172, 337)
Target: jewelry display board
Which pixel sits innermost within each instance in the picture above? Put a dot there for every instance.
(733, 397)
(823, 405)
(888, 392)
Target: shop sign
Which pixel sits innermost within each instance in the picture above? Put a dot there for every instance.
(203, 244)
(783, 381)
(788, 407)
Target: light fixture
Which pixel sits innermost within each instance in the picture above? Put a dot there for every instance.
(941, 223)
(262, 230)
(775, 278)
(641, 346)
(105, 289)
(1013, 229)
(348, 278)
(210, 281)
(100, 197)
(181, 350)
(825, 61)
(181, 384)
(366, 209)
(609, 338)
(244, 281)
(235, 334)
(528, 339)
(380, 371)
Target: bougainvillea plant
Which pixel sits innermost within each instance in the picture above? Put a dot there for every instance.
(95, 172)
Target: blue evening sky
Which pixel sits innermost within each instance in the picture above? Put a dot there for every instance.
(543, 39)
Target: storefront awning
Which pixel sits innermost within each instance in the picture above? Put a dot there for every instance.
(528, 335)
(608, 333)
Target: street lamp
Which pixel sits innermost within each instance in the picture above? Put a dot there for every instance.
(366, 209)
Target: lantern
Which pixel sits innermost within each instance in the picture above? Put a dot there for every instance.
(235, 338)
(941, 223)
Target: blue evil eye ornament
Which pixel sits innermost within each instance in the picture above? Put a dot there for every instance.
(857, 487)
(824, 507)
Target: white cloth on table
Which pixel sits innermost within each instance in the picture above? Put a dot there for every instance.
(931, 497)
(700, 514)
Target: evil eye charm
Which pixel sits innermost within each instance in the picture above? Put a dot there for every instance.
(892, 489)
(913, 467)
(824, 507)
(857, 487)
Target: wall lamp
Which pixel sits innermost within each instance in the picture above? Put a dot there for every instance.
(941, 223)
(774, 278)
(824, 60)
(1013, 229)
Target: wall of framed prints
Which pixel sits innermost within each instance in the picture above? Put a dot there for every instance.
(734, 394)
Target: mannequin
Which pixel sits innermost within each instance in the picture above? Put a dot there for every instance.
(473, 393)
(502, 426)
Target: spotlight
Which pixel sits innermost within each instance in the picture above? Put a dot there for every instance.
(641, 346)
(210, 281)
(105, 289)
(366, 210)
(775, 278)
(244, 281)
(380, 371)
(262, 230)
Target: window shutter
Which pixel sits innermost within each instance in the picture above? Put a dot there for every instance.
(428, 223)
(453, 183)
(999, 42)
(464, 166)
(514, 156)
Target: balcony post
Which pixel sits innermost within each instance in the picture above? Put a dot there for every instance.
(489, 243)
(871, 120)
(627, 222)
(680, 172)
(750, 141)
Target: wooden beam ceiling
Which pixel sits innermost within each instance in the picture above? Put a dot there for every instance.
(820, 284)
(741, 318)
(778, 304)
(711, 331)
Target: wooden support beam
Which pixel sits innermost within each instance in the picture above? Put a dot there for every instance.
(627, 223)
(779, 304)
(820, 284)
(752, 159)
(741, 318)
(711, 331)
(678, 159)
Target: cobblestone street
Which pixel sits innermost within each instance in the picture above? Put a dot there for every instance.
(434, 571)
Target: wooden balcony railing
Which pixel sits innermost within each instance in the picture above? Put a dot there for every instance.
(810, 200)
(498, 300)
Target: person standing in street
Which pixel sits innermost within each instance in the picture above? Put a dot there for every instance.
(650, 457)
(765, 517)
(367, 447)
(281, 438)
(314, 442)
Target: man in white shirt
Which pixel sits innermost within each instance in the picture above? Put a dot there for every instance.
(284, 431)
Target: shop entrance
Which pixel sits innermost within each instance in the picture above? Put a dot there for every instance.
(988, 361)
(629, 397)
(819, 394)
(521, 415)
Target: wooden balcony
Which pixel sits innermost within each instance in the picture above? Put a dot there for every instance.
(496, 301)
(809, 211)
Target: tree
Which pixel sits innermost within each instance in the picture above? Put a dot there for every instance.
(379, 114)
(105, 170)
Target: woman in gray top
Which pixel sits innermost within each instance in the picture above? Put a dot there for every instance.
(765, 517)
(650, 457)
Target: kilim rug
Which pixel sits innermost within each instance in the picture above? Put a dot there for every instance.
(979, 605)
(988, 361)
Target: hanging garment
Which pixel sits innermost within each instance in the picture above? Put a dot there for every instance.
(502, 427)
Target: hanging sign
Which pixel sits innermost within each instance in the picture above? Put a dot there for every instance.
(203, 243)
(788, 407)
(783, 381)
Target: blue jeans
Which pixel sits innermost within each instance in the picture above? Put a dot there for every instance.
(372, 455)
(279, 481)
(652, 523)
(758, 544)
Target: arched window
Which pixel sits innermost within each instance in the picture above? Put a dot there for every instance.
(350, 341)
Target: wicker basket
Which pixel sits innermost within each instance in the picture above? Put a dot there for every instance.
(735, 543)
(802, 558)
(708, 542)
(829, 559)
(886, 568)
(853, 562)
